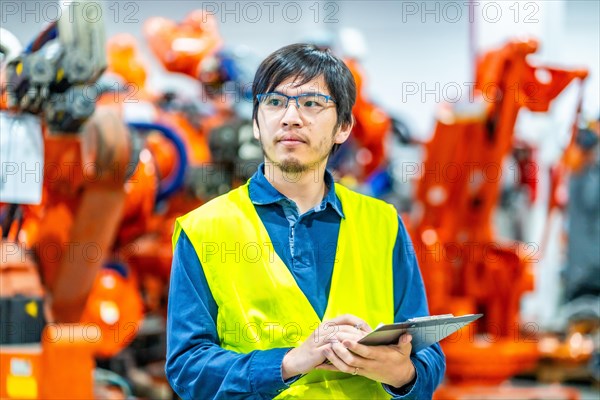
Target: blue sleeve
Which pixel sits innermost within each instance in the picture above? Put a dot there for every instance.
(196, 366)
(411, 302)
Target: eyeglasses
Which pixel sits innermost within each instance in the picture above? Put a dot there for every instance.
(310, 103)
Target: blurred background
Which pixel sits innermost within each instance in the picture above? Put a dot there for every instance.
(478, 120)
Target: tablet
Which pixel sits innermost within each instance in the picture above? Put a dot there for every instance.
(425, 331)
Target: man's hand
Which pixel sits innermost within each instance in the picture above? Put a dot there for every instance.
(309, 354)
(386, 364)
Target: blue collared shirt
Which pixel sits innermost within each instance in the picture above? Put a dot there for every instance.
(198, 368)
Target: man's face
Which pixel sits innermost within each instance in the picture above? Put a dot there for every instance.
(297, 140)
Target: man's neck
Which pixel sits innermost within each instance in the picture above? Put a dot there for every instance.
(306, 189)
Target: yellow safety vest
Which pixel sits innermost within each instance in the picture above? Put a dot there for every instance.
(260, 305)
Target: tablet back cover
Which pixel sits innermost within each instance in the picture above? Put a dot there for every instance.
(425, 330)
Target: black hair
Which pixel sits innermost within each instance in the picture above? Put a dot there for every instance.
(307, 62)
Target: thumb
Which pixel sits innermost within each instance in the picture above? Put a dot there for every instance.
(404, 344)
(405, 338)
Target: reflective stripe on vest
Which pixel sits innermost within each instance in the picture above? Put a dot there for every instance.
(260, 305)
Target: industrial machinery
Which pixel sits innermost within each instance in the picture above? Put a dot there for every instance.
(194, 48)
(69, 295)
(571, 351)
(360, 163)
(43, 330)
(211, 149)
(466, 268)
(371, 129)
(86, 254)
(210, 140)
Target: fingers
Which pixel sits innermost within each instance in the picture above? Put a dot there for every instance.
(348, 357)
(321, 351)
(351, 320)
(359, 349)
(349, 334)
(336, 361)
(346, 326)
(364, 328)
(327, 367)
(329, 333)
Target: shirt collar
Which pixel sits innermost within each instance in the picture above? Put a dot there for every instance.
(262, 192)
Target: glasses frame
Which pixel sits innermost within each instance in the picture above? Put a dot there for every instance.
(328, 99)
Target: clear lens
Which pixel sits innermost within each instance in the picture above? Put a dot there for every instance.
(274, 101)
(315, 101)
(308, 103)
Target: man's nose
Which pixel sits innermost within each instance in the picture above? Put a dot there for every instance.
(291, 116)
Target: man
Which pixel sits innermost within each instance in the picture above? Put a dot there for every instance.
(274, 283)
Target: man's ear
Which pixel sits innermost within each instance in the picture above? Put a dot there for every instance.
(343, 132)
(255, 130)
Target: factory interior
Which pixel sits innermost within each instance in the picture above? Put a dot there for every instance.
(478, 120)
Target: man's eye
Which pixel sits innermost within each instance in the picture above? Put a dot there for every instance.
(311, 103)
(274, 102)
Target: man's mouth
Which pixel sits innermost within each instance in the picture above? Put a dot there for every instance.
(291, 139)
